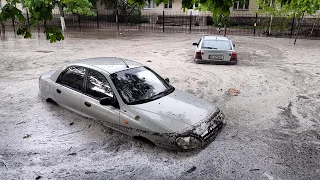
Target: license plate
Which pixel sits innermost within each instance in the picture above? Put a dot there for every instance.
(216, 57)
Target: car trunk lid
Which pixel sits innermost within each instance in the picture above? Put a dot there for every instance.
(216, 55)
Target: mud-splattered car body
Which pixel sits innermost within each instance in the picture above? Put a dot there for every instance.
(133, 99)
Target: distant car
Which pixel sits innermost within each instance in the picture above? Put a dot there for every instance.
(215, 49)
(133, 99)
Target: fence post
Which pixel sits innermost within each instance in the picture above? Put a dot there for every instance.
(162, 21)
(79, 21)
(117, 19)
(38, 26)
(28, 16)
(225, 26)
(292, 26)
(14, 28)
(3, 29)
(140, 20)
(97, 19)
(190, 21)
(255, 24)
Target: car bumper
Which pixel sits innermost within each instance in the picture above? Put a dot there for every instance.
(211, 61)
(170, 141)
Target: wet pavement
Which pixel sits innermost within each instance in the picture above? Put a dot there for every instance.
(273, 124)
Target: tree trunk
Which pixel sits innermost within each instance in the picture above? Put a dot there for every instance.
(269, 31)
(299, 22)
(2, 30)
(63, 24)
(314, 23)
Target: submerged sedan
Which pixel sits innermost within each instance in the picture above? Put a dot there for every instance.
(215, 49)
(133, 99)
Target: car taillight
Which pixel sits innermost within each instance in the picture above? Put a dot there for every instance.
(198, 55)
(233, 56)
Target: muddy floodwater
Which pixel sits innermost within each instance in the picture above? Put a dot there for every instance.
(273, 121)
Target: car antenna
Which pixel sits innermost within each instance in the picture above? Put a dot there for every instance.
(125, 63)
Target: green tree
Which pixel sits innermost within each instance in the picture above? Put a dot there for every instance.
(220, 9)
(290, 8)
(41, 11)
(216, 7)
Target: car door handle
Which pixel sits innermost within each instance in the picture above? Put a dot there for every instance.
(58, 91)
(87, 104)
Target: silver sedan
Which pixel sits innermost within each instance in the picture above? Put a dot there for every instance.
(215, 49)
(133, 99)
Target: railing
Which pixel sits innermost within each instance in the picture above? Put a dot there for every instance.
(179, 22)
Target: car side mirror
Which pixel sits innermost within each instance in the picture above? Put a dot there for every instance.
(106, 101)
(195, 44)
(167, 79)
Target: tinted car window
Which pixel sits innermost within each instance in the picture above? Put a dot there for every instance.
(97, 85)
(72, 77)
(216, 44)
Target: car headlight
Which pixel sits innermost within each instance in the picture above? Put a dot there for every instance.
(220, 116)
(188, 142)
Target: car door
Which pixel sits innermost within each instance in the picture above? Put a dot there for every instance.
(69, 87)
(96, 88)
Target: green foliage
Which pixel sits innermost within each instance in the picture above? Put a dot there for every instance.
(216, 7)
(53, 34)
(289, 8)
(9, 11)
(124, 6)
(82, 7)
(25, 32)
(41, 11)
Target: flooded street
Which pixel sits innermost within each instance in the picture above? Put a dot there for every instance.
(273, 124)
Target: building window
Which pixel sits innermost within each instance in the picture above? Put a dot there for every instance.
(150, 4)
(241, 5)
(169, 5)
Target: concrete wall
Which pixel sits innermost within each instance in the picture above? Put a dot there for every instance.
(4, 2)
(251, 11)
(177, 9)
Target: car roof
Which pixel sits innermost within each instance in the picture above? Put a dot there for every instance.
(108, 64)
(216, 38)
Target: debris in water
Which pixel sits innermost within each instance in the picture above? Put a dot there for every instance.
(26, 136)
(137, 118)
(302, 97)
(38, 177)
(72, 154)
(43, 51)
(90, 172)
(71, 123)
(254, 170)
(233, 92)
(21, 122)
(4, 165)
(192, 169)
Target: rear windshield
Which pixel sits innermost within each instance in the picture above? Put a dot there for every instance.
(216, 44)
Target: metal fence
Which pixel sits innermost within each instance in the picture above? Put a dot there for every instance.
(247, 24)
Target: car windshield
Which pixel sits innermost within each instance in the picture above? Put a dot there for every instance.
(140, 85)
(216, 44)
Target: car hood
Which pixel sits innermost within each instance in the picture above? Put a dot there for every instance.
(176, 111)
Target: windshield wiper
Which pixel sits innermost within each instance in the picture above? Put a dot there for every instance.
(141, 101)
(163, 93)
(209, 47)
